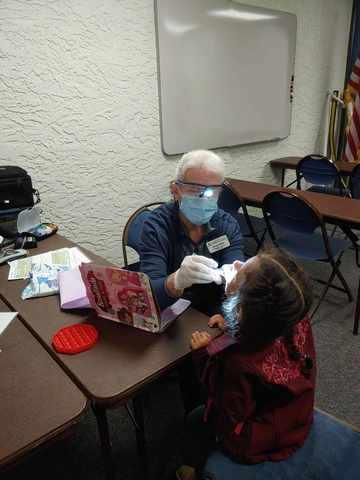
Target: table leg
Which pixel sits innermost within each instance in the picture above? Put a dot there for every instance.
(105, 442)
(357, 312)
(283, 177)
(140, 436)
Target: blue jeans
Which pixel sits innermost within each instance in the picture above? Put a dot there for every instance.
(203, 441)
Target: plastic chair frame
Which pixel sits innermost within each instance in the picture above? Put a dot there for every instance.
(320, 158)
(335, 264)
(253, 234)
(128, 226)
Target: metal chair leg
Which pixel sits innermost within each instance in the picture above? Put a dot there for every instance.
(324, 292)
(260, 241)
(336, 266)
(333, 231)
(357, 312)
(346, 286)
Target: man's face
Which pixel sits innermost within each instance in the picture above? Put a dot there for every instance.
(196, 175)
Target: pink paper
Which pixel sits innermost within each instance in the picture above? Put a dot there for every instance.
(72, 290)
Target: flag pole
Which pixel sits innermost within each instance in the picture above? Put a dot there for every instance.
(337, 99)
(327, 131)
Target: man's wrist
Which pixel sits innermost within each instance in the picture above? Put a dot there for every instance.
(170, 286)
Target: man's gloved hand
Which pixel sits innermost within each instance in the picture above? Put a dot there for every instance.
(229, 270)
(195, 269)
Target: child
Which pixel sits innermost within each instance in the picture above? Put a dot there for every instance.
(259, 375)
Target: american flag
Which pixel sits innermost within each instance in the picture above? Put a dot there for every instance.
(352, 149)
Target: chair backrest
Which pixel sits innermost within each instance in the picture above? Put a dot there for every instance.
(295, 215)
(231, 201)
(291, 213)
(132, 229)
(355, 182)
(318, 170)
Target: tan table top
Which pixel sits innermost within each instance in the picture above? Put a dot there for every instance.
(335, 210)
(39, 403)
(291, 163)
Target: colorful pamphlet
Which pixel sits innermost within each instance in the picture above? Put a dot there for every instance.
(43, 270)
(127, 297)
(70, 257)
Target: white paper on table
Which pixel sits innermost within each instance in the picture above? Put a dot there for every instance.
(5, 319)
(77, 257)
(71, 257)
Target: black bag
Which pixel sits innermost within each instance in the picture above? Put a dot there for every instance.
(16, 189)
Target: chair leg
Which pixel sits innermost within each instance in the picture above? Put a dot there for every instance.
(260, 241)
(333, 232)
(357, 312)
(336, 272)
(343, 281)
(336, 266)
(327, 286)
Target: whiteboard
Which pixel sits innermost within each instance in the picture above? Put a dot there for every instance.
(225, 73)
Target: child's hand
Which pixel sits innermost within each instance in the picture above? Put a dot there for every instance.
(219, 321)
(199, 339)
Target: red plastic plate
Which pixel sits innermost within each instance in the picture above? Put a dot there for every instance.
(75, 338)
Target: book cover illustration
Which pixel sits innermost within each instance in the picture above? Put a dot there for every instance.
(122, 296)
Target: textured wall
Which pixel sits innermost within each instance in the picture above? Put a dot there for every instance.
(79, 106)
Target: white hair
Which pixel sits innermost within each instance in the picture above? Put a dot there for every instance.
(200, 159)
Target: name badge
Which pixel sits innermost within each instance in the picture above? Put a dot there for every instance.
(217, 244)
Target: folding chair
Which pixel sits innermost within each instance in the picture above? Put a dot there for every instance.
(252, 227)
(322, 173)
(298, 219)
(131, 233)
(354, 239)
(330, 452)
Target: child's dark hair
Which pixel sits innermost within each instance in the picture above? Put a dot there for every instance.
(271, 300)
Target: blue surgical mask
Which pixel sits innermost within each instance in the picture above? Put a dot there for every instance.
(198, 210)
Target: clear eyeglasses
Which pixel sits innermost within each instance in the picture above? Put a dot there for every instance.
(198, 190)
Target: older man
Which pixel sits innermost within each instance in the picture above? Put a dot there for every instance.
(183, 242)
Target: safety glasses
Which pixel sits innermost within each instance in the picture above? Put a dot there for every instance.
(198, 190)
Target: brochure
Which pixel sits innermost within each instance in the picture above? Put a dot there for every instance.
(127, 297)
(62, 258)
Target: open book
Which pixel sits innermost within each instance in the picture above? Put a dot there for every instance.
(127, 297)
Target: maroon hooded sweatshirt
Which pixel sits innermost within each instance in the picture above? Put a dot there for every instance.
(260, 406)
